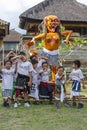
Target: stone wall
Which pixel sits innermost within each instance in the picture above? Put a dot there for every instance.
(76, 54)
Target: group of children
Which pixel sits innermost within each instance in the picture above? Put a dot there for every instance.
(32, 78)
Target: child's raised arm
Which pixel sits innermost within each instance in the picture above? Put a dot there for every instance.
(9, 54)
(15, 67)
(42, 57)
(60, 77)
(16, 57)
(40, 72)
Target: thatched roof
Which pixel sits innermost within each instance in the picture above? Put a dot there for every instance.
(13, 36)
(4, 28)
(66, 10)
(2, 22)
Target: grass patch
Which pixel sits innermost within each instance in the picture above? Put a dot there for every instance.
(43, 117)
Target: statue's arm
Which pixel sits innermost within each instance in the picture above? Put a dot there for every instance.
(68, 34)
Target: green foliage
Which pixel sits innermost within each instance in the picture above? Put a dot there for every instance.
(40, 45)
(74, 42)
(79, 41)
(62, 28)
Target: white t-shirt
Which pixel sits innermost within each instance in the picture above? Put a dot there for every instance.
(76, 75)
(45, 75)
(59, 82)
(7, 78)
(24, 67)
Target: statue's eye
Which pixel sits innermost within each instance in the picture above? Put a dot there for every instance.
(50, 20)
(55, 20)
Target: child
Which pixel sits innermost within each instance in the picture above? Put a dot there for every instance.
(77, 77)
(34, 92)
(24, 78)
(33, 57)
(44, 88)
(40, 60)
(7, 82)
(60, 78)
(9, 56)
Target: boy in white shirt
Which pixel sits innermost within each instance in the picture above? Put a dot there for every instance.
(44, 88)
(77, 78)
(9, 56)
(60, 79)
(7, 81)
(34, 92)
(24, 78)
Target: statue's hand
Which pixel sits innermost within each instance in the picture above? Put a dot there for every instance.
(67, 41)
(31, 43)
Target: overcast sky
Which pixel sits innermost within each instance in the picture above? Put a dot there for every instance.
(11, 9)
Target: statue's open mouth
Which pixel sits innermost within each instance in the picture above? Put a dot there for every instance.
(53, 27)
